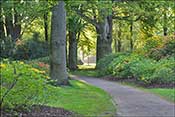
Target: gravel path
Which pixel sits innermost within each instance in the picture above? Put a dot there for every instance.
(132, 102)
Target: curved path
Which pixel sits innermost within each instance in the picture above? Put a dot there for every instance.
(132, 102)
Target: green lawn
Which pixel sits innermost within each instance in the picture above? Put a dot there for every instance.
(168, 94)
(85, 70)
(81, 98)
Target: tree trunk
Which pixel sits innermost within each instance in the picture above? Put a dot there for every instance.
(104, 38)
(2, 32)
(46, 26)
(13, 26)
(58, 43)
(115, 45)
(131, 34)
(119, 45)
(165, 29)
(72, 51)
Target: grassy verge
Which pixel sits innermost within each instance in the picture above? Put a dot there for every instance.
(32, 89)
(85, 70)
(168, 94)
(165, 93)
(81, 98)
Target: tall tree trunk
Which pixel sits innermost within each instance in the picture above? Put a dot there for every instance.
(119, 43)
(72, 51)
(131, 34)
(13, 27)
(165, 29)
(2, 32)
(104, 38)
(58, 42)
(46, 26)
(115, 45)
(16, 31)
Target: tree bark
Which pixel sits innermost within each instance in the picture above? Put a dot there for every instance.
(58, 43)
(104, 38)
(165, 29)
(12, 25)
(131, 34)
(46, 26)
(104, 32)
(119, 43)
(2, 32)
(72, 51)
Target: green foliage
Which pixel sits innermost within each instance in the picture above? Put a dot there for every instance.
(31, 48)
(32, 88)
(104, 62)
(24, 49)
(165, 71)
(28, 84)
(6, 47)
(42, 59)
(145, 70)
(165, 51)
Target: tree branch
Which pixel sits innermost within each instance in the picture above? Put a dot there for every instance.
(86, 18)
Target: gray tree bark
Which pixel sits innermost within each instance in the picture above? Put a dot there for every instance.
(72, 51)
(104, 32)
(58, 43)
(104, 37)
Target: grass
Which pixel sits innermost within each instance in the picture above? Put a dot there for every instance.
(81, 98)
(168, 94)
(165, 93)
(85, 70)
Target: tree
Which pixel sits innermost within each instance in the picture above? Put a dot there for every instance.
(46, 26)
(58, 43)
(98, 13)
(75, 26)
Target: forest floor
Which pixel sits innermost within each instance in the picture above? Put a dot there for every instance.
(132, 101)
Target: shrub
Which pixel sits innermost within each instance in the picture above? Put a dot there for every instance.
(103, 64)
(165, 71)
(31, 49)
(168, 50)
(144, 70)
(45, 60)
(21, 85)
(6, 47)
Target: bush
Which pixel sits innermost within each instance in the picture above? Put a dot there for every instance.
(24, 49)
(165, 71)
(31, 49)
(143, 69)
(104, 62)
(6, 47)
(21, 85)
(168, 50)
(45, 60)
